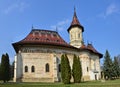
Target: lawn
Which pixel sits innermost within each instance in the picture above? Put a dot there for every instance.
(113, 83)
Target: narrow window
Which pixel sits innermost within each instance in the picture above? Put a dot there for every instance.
(36, 33)
(79, 35)
(59, 68)
(26, 68)
(32, 69)
(47, 67)
(87, 69)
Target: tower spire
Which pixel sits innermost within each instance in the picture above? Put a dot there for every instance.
(74, 10)
(75, 30)
(75, 21)
(75, 14)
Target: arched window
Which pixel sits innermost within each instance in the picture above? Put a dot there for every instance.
(26, 68)
(32, 69)
(47, 69)
(59, 68)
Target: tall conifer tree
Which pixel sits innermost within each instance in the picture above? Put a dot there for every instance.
(5, 68)
(76, 70)
(116, 67)
(0, 72)
(62, 68)
(8, 74)
(65, 69)
(108, 66)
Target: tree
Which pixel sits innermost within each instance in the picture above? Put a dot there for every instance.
(118, 58)
(5, 68)
(8, 74)
(12, 69)
(62, 67)
(116, 67)
(0, 72)
(108, 66)
(65, 69)
(76, 70)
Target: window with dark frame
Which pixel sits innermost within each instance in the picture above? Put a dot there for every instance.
(87, 69)
(32, 69)
(59, 68)
(79, 35)
(47, 68)
(26, 68)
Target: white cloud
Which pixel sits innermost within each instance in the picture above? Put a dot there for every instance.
(111, 9)
(21, 6)
(60, 25)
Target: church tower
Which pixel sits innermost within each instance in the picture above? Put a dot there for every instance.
(75, 32)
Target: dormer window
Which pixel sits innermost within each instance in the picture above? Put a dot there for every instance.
(36, 33)
(36, 38)
(54, 35)
(58, 41)
(42, 33)
(47, 39)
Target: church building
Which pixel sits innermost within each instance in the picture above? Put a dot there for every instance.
(38, 55)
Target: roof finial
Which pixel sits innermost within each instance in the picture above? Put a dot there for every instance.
(87, 41)
(56, 29)
(32, 26)
(74, 9)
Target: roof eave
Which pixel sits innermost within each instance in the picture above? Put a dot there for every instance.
(72, 26)
(17, 45)
(85, 49)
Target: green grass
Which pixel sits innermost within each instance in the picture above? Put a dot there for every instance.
(112, 83)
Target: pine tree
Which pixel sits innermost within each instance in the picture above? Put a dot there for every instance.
(8, 74)
(118, 58)
(62, 68)
(68, 70)
(65, 69)
(5, 68)
(116, 68)
(76, 70)
(12, 69)
(108, 66)
(0, 72)
(80, 68)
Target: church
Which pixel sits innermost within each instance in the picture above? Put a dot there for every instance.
(38, 55)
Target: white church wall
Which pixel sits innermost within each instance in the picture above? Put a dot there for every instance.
(95, 67)
(18, 67)
(38, 60)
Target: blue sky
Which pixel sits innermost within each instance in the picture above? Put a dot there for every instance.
(100, 18)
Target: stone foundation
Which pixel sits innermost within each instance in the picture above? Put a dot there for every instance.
(37, 80)
(86, 78)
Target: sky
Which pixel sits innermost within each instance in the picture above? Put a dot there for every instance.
(100, 18)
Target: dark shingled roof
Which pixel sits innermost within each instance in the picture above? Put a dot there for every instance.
(75, 22)
(91, 48)
(42, 37)
(52, 38)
